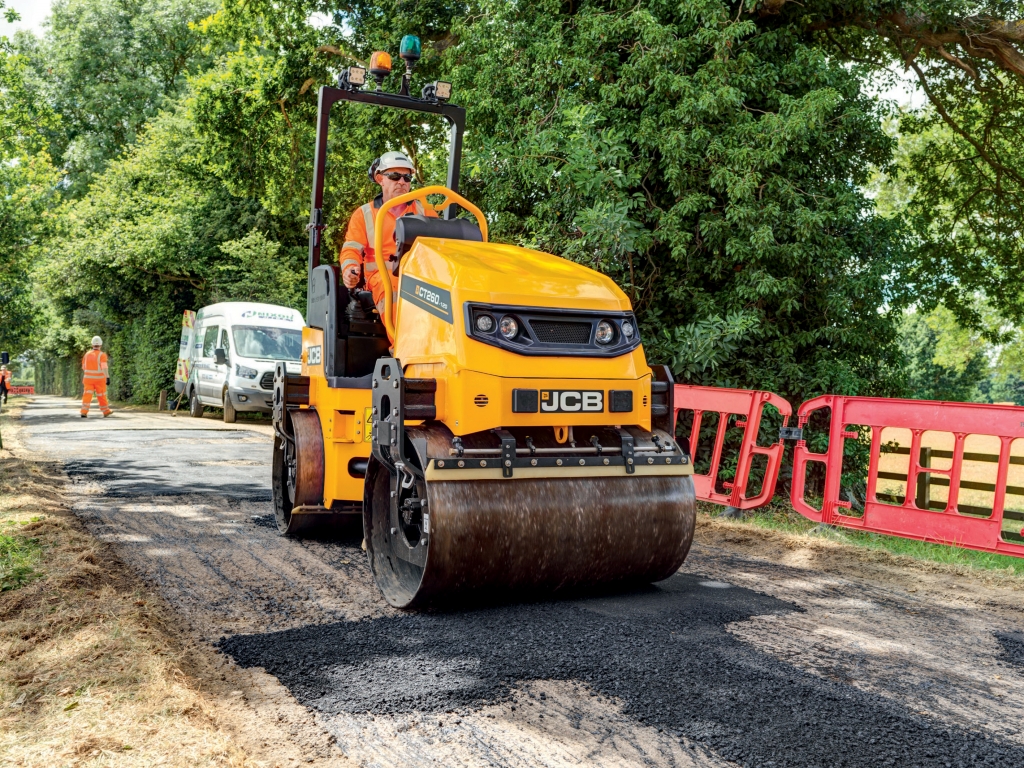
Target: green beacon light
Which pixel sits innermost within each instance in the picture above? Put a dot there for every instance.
(410, 51)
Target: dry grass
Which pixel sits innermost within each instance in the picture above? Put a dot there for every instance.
(92, 672)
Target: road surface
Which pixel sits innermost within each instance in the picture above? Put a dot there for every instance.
(748, 656)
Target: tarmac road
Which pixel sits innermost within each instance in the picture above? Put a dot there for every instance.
(735, 660)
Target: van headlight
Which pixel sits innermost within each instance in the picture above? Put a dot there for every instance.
(244, 372)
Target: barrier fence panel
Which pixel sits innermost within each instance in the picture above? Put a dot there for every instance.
(22, 390)
(749, 405)
(941, 459)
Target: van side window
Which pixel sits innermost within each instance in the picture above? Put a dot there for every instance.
(225, 341)
(210, 341)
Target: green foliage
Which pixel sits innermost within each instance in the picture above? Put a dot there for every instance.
(109, 66)
(144, 244)
(708, 164)
(944, 361)
(257, 271)
(18, 556)
(27, 183)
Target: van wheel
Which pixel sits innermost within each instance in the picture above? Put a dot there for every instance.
(229, 409)
(195, 408)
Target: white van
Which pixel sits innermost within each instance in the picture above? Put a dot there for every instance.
(229, 352)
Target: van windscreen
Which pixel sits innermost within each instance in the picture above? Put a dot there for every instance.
(269, 343)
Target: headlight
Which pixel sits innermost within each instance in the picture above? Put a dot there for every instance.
(628, 330)
(244, 372)
(508, 327)
(485, 323)
(605, 332)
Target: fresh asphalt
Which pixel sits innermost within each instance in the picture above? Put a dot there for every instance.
(666, 658)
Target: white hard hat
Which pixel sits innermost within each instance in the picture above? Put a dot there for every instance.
(391, 160)
(97, 341)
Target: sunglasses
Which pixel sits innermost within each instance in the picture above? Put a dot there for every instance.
(406, 177)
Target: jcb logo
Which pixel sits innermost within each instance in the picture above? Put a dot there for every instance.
(313, 356)
(571, 400)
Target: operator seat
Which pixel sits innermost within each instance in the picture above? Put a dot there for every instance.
(409, 227)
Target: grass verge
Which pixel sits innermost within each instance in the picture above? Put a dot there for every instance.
(91, 671)
(780, 516)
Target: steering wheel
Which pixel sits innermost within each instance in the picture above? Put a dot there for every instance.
(450, 198)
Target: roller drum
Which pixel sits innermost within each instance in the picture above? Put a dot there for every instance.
(529, 535)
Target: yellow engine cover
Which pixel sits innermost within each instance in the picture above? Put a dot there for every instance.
(475, 380)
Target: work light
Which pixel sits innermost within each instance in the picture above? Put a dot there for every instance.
(353, 78)
(484, 323)
(437, 91)
(605, 332)
(508, 327)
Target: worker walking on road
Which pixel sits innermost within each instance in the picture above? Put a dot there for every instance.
(95, 378)
(394, 172)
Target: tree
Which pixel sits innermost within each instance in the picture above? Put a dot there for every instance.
(27, 182)
(144, 244)
(944, 360)
(107, 67)
(709, 164)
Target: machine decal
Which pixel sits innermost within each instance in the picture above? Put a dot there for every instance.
(436, 301)
(368, 421)
(571, 400)
(313, 356)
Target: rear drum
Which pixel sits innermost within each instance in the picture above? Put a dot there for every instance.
(298, 471)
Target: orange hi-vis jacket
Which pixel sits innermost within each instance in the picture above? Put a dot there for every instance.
(6, 376)
(94, 365)
(359, 237)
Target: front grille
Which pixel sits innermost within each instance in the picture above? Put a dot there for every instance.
(561, 331)
(267, 381)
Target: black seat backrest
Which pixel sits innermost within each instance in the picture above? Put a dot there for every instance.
(408, 228)
(354, 336)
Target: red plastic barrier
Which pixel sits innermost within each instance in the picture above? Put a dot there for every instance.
(933, 521)
(22, 390)
(749, 404)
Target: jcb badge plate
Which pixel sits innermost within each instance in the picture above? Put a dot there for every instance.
(571, 401)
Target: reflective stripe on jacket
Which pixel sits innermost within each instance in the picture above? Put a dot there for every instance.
(358, 246)
(94, 364)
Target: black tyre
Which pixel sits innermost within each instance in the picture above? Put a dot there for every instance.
(230, 415)
(195, 408)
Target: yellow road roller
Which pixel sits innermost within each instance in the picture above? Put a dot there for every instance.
(497, 426)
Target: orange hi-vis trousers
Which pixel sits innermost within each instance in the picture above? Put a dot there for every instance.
(99, 387)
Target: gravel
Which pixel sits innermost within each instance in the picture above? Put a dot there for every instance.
(664, 654)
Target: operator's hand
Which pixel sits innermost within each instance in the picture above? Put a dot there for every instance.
(350, 276)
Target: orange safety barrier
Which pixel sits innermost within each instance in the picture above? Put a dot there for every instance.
(749, 405)
(915, 515)
(22, 390)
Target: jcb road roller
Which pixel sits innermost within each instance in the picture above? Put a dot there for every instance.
(497, 425)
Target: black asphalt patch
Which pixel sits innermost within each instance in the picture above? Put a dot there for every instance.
(175, 463)
(1013, 647)
(664, 653)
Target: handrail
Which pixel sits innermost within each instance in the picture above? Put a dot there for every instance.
(378, 235)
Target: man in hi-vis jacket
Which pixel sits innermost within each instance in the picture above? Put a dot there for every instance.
(95, 378)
